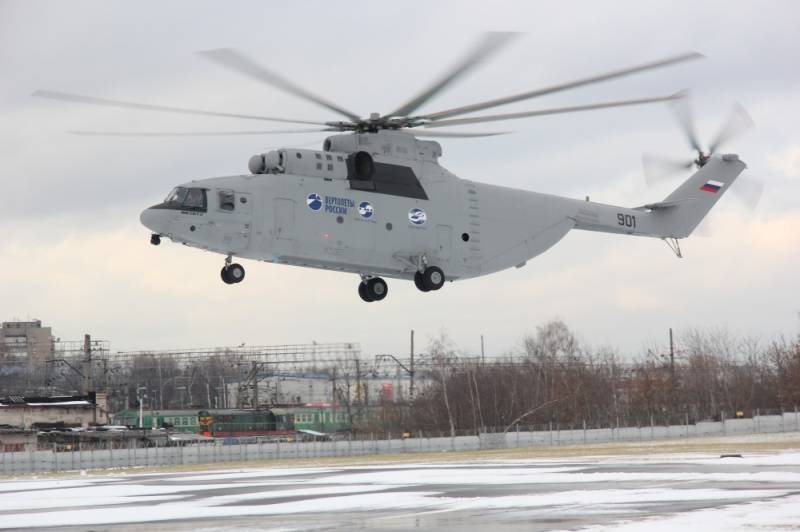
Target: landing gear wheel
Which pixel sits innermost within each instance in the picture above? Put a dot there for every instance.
(155, 239)
(433, 278)
(364, 292)
(377, 288)
(420, 282)
(232, 274)
(373, 289)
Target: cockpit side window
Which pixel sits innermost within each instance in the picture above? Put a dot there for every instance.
(195, 199)
(227, 200)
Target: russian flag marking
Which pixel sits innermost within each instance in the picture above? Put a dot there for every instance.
(712, 186)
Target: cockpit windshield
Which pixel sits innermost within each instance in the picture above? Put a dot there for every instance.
(176, 196)
(185, 198)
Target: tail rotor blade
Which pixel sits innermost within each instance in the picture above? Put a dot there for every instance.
(706, 228)
(749, 191)
(738, 121)
(659, 169)
(684, 115)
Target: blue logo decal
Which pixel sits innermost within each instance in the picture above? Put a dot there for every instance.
(314, 202)
(366, 210)
(417, 216)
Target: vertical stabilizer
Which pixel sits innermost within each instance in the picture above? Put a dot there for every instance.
(683, 210)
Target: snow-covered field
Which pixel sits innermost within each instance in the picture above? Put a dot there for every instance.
(654, 493)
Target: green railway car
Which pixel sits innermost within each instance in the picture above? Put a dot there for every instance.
(183, 420)
(230, 422)
(319, 419)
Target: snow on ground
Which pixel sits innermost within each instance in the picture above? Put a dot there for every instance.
(780, 514)
(627, 493)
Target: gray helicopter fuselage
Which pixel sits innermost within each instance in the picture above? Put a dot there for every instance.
(311, 208)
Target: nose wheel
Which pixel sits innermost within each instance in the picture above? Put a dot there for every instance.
(232, 273)
(431, 278)
(373, 289)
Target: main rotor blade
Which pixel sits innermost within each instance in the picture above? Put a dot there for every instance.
(683, 112)
(193, 133)
(542, 112)
(659, 169)
(488, 45)
(562, 87)
(738, 121)
(237, 62)
(63, 96)
(453, 134)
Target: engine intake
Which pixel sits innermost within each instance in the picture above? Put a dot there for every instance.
(266, 163)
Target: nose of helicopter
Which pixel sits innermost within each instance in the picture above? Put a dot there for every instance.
(153, 219)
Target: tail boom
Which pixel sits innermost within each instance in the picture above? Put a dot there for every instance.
(674, 217)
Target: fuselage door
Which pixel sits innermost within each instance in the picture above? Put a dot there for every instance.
(233, 220)
(283, 210)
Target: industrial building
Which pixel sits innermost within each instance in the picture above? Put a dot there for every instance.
(323, 387)
(28, 413)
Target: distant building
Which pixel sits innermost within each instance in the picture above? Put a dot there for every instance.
(54, 412)
(27, 339)
(309, 388)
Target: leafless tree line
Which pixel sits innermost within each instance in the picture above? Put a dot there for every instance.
(554, 379)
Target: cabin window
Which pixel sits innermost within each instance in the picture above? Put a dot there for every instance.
(226, 200)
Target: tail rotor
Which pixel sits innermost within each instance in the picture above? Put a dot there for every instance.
(658, 169)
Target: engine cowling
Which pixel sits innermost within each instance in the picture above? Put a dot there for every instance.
(265, 163)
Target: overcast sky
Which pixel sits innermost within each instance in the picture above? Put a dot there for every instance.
(73, 254)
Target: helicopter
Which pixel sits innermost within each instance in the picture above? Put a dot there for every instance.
(375, 202)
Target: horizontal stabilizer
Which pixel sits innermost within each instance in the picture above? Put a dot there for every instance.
(661, 205)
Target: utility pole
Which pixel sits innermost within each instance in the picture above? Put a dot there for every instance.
(411, 373)
(333, 386)
(671, 357)
(255, 385)
(358, 381)
(88, 370)
(140, 395)
(483, 353)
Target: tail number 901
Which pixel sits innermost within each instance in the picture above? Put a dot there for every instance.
(626, 220)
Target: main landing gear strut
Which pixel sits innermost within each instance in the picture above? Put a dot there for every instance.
(232, 273)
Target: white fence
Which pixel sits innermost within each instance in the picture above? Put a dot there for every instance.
(204, 453)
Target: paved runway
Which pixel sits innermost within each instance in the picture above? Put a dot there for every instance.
(653, 493)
